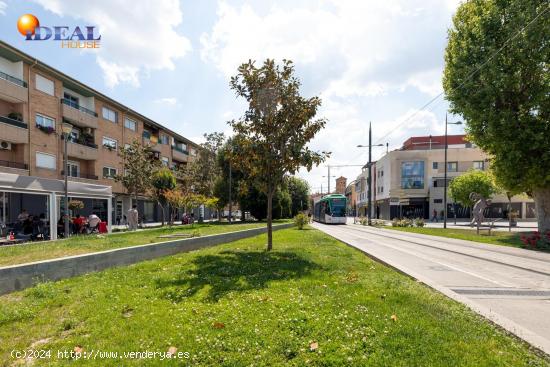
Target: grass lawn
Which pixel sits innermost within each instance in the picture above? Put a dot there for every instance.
(311, 301)
(18, 254)
(496, 237)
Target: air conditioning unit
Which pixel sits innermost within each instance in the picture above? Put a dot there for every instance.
(5, 145)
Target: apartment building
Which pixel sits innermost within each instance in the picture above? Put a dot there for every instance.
(409, 182)
(36, 100)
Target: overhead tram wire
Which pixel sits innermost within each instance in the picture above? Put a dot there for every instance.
(469, 75)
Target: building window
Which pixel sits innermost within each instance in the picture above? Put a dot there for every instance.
(45, 85)
(434, 165)
(73, 169)
(130, 124)
(127, 146)
(193, 152)
(109, 114)
(164, 161)
(452, 166)
(45, 121)
(164, 139)
(109, 172)
(109, 143)
(44, 160)
(71, 100)
(412, 175)
(480, 165)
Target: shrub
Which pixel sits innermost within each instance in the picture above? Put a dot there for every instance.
(364, 221)
(419, 222)
(378, 222)
(405, 222)
(535, 241)
(300, 220)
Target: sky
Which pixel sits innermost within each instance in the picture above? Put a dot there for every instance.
(369, 61)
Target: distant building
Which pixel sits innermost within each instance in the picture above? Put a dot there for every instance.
(351, 198)
(409, 182)
(341, 185)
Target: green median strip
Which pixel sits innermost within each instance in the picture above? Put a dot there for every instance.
(310, 301)
(29, 252)
(511, 239)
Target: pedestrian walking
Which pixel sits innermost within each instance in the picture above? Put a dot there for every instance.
(434, 216)
(133, 216)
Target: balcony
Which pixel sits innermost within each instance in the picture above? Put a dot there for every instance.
(14, 131)
(13, 89)
(82, 150)
(179, 154)
(81, 175)
(78, 114)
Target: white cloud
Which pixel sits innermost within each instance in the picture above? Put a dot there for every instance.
(3, 7)
(351, 53)
(136, 38)
(171, 101)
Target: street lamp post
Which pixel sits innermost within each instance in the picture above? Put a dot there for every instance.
(230, 206)
(66, 129)
(369, 165)
(445, 179)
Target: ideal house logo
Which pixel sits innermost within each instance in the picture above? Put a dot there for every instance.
(77, 37)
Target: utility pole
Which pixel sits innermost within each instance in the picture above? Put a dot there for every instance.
(328, 180)
(369, 194)
(369, 167)
(445, 179)
(230, 206)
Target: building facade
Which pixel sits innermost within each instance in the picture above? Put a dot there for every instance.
(36, 99)
(409, 182)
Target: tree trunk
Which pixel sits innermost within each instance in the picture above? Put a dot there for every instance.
(269, 219)
(542, 205)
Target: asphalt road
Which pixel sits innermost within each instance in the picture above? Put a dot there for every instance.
(509, 286)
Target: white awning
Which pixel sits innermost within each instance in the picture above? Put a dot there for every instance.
(12, 182)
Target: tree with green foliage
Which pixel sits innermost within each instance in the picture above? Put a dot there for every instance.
(299, 193)
(204, 170)
(473, 181)
(274, 132)
(162, 181)
(496, 76)
(137, 160)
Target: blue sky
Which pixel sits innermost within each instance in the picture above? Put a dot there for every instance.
(171, 60)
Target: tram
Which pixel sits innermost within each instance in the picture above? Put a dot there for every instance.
(330, 209)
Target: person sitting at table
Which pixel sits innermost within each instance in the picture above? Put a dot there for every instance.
(78, 224)
(93, 222)
(37, 229)
(27, 224)
(23, 216)
(61, 226)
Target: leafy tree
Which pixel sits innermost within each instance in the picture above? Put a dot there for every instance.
(255, 201)
(476, 181)
(137, 161)
(163, 181)
(496, 76)
(204, 170)
(299, 192)
(274, 132)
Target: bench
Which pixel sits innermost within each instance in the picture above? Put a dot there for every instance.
(489, 227)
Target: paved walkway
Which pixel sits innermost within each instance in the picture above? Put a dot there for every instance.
(509, 286)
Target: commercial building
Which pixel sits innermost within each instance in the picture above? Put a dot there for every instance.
(35, 100)
(409, 182)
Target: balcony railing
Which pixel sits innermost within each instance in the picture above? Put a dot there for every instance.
(181, 150)
(17, 165)
(75, 105)
(13, 80)
(81, 142)
(82, 175)
(13, 122)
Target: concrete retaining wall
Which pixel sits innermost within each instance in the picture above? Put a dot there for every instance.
(17, 277)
